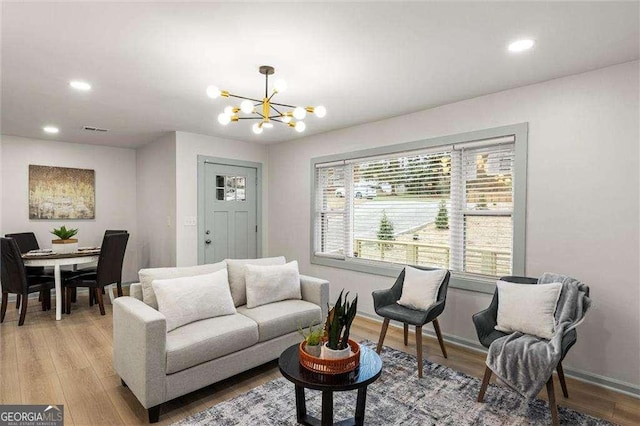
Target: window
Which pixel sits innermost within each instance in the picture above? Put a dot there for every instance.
(230, 188)
(449, 206)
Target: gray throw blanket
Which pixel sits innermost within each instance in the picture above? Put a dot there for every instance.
(526, 362)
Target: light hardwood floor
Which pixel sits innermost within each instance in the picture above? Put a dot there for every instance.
(69, 362)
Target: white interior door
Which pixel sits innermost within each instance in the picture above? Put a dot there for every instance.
(230, 227)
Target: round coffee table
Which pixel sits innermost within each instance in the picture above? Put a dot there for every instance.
(367, 373)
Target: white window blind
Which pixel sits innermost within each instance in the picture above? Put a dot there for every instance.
(482, 227)
(450, 207)
(330, 211)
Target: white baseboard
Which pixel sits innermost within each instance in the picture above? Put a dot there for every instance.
(584, 376)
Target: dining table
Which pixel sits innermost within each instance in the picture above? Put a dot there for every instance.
(49, 258)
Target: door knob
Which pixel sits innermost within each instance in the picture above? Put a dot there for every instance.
(207, 241)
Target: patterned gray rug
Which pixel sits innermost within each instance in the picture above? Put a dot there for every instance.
(442, 397)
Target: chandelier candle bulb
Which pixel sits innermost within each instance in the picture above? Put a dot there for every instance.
(257, 129)
(299, 113)
(224, 119)
(246, 106)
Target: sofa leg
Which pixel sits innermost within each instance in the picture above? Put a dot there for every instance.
(154, 414)
(123, 383)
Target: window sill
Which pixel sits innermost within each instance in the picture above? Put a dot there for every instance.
(458, 280)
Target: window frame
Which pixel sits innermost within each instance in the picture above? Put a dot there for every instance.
(459, 280)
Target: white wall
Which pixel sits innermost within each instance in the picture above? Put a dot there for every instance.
(115, 191)
(188, 147)
(156, 202)
(582, 201)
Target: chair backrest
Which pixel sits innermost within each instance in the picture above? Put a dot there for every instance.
(26, 241)
(442, 293)
(111, 258)
(115, 231)
(13, 275)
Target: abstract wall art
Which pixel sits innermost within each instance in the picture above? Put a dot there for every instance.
(61, 193)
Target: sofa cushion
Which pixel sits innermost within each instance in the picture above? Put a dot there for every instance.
(188, 299)
(237, 269)
(280, 318)
(272, 283)
(208, 339)
(148, 275)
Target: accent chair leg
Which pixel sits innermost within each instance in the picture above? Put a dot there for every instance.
(23, 309)
(436, 327)
(3, 307)
(154, 414)
(563, 383)
(485, 382)
(100, 299)
(419, 348)
(552, 402)
(383, 333)
(406, 334)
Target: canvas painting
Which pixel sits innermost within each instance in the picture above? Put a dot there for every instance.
(61, 193)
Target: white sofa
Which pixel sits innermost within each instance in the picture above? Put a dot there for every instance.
(158, 366)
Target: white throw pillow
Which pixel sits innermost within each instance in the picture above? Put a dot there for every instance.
(420, 287)
(267, 284)
(237, 269)
(187, 299)
(148, 275)
(528, 308)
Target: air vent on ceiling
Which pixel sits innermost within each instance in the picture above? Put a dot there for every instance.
(94, 129)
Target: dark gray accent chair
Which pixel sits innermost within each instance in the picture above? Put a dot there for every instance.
(385, 305)
(485, 323)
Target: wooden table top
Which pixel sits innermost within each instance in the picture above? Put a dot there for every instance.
(83, 253)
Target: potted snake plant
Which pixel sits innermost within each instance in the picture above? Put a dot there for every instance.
(65, 242)
(338, 326)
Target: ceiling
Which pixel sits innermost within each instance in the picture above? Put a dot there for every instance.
(150, 63)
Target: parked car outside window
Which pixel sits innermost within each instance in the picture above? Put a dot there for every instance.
(361, 191)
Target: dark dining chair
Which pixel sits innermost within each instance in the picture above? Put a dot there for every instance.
(94, 268)
(485, 323)
(15, 280)
(385, 303)
(108, 271)
(27, 241)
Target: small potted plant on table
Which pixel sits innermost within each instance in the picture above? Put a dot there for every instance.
(65, 243)
(313, 340)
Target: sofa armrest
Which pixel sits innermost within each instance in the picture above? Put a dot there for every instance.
(135, 290)
(315, 290)
(139, 349)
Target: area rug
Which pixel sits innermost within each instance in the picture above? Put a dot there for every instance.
(442, 397)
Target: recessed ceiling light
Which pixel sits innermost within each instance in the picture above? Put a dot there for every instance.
(51, 129)
(521, 45)
(80, 85)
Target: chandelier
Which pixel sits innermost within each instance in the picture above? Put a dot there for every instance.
(265, 110)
